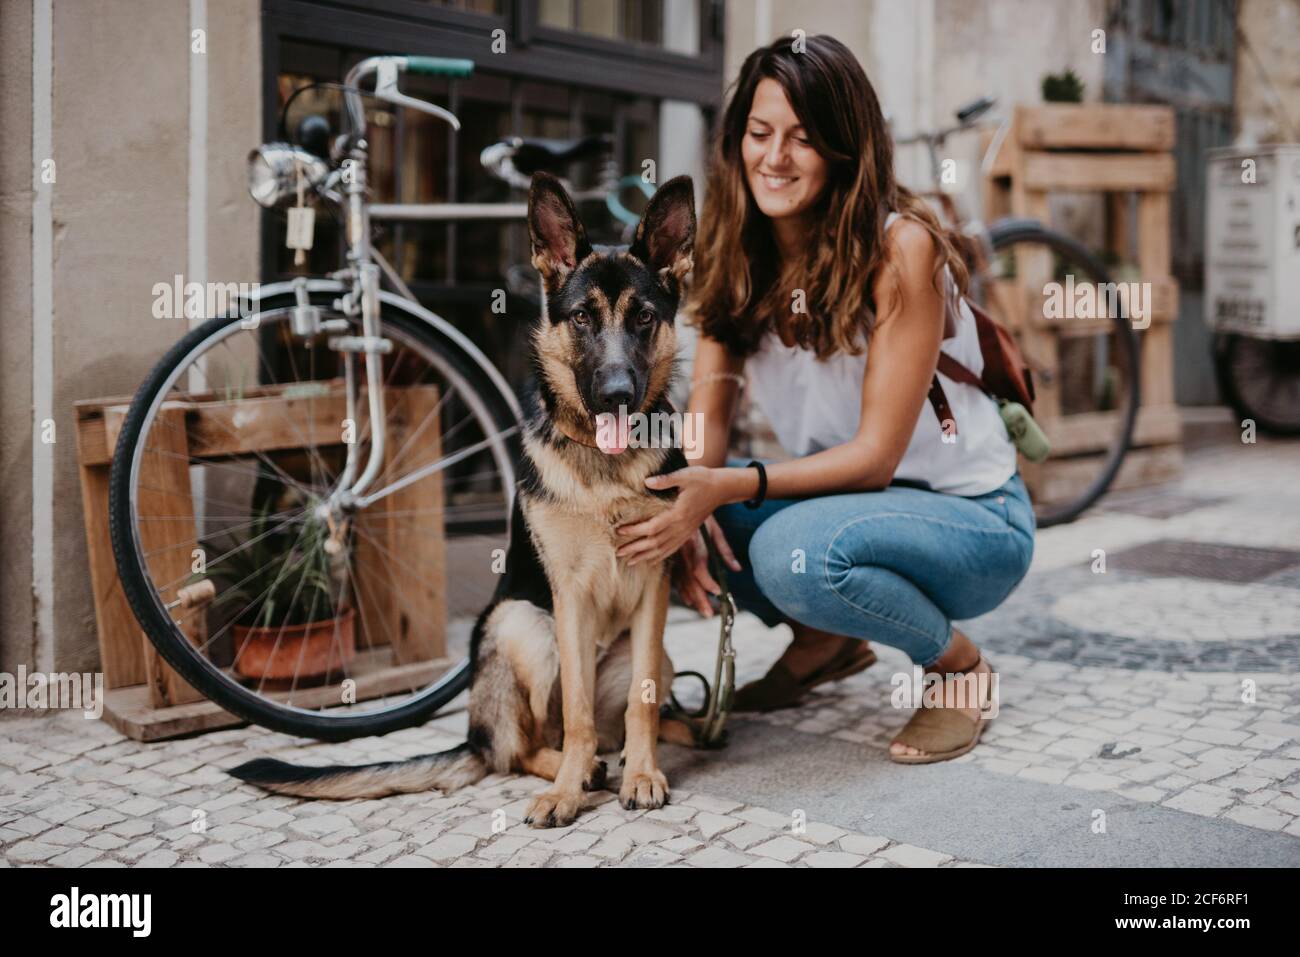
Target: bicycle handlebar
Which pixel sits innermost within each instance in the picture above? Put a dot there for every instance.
(387, 68)
(439, 66)
(932, 136)
(968, 117)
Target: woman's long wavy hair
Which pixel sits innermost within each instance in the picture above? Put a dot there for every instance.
(741, 288)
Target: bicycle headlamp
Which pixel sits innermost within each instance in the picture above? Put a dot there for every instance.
(274, 171)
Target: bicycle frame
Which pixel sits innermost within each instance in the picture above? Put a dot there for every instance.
(347, 187)
(359, 283)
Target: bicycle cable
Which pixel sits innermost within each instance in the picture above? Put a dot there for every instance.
(316, 84)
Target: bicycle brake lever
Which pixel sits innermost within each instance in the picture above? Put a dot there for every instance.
(386, 89)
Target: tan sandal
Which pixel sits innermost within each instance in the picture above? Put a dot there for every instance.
(782, 688)
(940, 733)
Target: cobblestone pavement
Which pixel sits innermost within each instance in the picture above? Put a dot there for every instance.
(1150, 714)
(78, 795)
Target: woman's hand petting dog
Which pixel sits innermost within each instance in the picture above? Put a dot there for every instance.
(699, 492)
(677, 531)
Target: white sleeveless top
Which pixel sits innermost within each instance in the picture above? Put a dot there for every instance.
(813, 405)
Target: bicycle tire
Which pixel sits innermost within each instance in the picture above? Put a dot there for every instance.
(1284, 359)
(158, 625)
(1007, 233)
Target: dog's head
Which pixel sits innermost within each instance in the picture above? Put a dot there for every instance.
(607, 336)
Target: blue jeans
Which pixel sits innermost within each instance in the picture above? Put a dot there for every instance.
(894, 566)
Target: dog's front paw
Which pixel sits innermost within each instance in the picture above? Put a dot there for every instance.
(643, 789)
(553, 808)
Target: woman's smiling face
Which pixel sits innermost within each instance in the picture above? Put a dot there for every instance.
(785, 174)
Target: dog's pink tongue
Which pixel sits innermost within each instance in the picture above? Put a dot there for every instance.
(611, 433)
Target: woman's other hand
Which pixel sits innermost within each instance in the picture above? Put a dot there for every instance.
(690, 572)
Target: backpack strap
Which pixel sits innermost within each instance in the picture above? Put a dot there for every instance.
(958, 373)
(939, 402)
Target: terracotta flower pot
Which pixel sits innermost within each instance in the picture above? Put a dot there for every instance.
(303, 652)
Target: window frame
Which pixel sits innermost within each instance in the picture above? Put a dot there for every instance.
(538, 52)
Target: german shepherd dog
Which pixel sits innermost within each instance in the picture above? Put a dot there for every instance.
(568, 659)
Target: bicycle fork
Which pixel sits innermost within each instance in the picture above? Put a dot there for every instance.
(369, 343)
(364, 298)
(372, 346)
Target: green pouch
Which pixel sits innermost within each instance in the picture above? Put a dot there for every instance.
(1024, 431)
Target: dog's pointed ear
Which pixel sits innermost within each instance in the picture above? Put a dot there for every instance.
(558, 239)
(665, 237)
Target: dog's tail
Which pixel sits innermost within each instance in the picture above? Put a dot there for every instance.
(446, 771)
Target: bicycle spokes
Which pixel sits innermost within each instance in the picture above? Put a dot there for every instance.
(256, 537)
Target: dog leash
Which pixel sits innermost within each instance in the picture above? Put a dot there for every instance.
(709, 723)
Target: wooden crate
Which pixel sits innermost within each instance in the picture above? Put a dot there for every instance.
(1118, 150)
(402, 627)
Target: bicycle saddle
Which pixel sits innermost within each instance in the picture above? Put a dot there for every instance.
(534, 153)
(975, 109)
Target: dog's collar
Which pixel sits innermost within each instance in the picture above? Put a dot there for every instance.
(572, 438)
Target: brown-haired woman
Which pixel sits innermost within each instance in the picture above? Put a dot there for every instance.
(834, 288)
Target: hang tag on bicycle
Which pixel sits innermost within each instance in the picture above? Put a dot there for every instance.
(301, 230)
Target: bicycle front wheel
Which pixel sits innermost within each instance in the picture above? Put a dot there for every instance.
(1085, 361)
(306, 611)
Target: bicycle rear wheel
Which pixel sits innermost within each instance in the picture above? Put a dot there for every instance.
(309, 619)
(1086, 366)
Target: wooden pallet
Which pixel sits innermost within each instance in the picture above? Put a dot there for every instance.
(401, 633)
(1119, 150)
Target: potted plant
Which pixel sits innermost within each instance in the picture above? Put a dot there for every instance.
(1065, 87)
(291, 622)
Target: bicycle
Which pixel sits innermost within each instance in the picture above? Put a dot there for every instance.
(291, 489)
(1014, 254)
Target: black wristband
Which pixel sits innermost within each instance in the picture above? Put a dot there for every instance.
(757, 500)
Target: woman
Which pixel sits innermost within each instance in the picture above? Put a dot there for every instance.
(833, 286)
